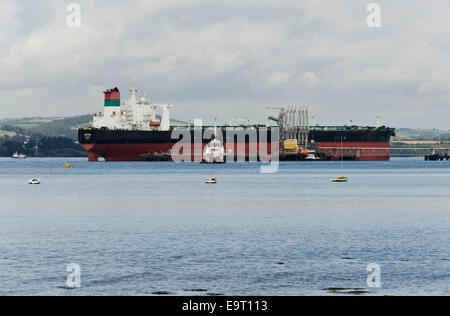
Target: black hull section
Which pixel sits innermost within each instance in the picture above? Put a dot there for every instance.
(352, 135)
(103, 136)
(318, 135)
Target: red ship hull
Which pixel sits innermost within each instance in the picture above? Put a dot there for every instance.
(330, 143)
(134, 152)
(360, 151)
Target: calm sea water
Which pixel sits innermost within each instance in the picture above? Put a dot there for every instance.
(142, 228)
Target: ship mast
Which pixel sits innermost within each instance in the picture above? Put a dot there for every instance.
(215, 127)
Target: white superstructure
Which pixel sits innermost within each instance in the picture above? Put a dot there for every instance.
(214, 151)
(132, 114)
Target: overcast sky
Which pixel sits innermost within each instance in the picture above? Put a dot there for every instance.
(231, 58)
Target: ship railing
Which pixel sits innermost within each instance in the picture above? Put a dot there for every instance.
(345, 128)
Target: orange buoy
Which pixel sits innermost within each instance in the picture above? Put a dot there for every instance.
(68, 165)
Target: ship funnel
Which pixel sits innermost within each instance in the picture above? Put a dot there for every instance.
(112, 97)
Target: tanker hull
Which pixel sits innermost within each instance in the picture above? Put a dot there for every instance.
(363, 144)
(360, 151)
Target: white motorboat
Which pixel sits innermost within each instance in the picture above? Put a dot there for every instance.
(34, 181)
(211, 180)
(16, 155)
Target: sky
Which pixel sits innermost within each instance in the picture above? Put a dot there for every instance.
(230, 59)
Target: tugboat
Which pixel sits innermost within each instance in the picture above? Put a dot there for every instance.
(214, 152)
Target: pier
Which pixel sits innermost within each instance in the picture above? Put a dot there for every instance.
(438, 156)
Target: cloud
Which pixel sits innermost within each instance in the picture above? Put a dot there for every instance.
(278, 79)
(310, 78)
(438, 83)
(230, 58)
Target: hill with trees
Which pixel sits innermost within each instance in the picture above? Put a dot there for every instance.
(57, 136)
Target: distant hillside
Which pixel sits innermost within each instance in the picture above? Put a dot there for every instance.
(50, 126)
(422, 134)
(57, 136)
(48, 147)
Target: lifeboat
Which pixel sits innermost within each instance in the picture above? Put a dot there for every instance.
(155, 123)
(303, 152)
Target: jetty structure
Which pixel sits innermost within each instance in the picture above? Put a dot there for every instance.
(441, 156)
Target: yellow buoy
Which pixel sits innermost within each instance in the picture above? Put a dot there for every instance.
(68, 165)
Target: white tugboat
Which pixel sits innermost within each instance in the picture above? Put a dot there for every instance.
(214, 151)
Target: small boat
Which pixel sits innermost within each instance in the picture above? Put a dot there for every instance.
(34, 181)
(16, 155)
(340, 179)
(311, 157)
(211, 180)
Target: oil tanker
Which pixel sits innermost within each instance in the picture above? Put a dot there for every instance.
(128, 130)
